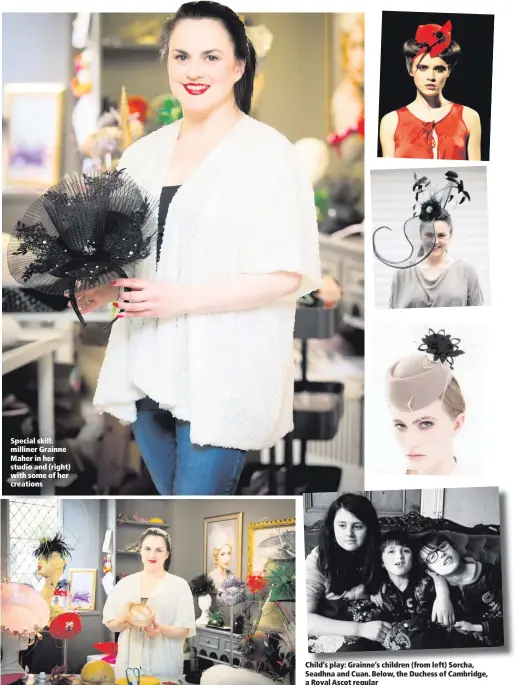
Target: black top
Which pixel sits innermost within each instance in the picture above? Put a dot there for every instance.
(167, 195)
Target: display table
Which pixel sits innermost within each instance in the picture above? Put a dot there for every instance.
(41, 351)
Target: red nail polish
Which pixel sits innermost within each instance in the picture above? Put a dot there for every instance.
(120, 316)
(113, 282)
(115, 304)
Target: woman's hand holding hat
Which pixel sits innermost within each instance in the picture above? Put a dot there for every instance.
(154, 299)
(154, 629)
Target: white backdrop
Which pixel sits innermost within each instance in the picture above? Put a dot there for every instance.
(395, 340)
(392, 200)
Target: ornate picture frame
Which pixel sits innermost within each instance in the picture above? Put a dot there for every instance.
(259, 532)
(223, 546)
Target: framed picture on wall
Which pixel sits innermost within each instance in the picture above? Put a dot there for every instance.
(81, 590)
(34, 114)
(223, 547)
(268, 540)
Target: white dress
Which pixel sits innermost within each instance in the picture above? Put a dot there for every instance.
(173, 605)
(248, 209)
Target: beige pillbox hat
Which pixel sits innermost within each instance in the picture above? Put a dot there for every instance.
(417, 381)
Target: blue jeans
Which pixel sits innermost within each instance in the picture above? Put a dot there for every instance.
(176, 466)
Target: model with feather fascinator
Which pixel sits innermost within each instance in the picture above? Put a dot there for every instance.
(427, 274)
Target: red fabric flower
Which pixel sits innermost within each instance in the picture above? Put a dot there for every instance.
(138, 105)
(336, 139)
(256, 582)
(361, 126)
(66, 625)
(107, 647)
(434, 38)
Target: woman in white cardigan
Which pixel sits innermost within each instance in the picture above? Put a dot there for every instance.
(156, 649)
(201, 361)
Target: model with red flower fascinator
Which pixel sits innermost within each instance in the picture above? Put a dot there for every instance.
(431, 127)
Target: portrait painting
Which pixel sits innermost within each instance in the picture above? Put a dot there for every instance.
(223, 547)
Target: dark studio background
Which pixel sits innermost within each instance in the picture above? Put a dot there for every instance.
(470, 82)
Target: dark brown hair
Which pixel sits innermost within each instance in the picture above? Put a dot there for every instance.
(159, 533)
(345, 570)
(244, 49)
(410, 49)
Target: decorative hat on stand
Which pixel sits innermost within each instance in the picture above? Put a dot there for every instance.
(430, 205)
(24, 614)
(83, 233)
(415, 382)
(117, 128)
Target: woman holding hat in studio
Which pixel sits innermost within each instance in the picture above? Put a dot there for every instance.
(153, 611)
(200, 362)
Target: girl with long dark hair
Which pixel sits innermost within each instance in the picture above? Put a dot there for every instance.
(346, 565)
(200, 362)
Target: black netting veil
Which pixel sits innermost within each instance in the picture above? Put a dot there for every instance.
(83, 233)
(402, 249)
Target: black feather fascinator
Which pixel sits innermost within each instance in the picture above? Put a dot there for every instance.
(430, 205)
(202, 585)
(82, 233)
(47, 546)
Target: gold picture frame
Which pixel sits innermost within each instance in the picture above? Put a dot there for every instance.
(223, 533)
(256, 532)
(34, 116)
(81, 589)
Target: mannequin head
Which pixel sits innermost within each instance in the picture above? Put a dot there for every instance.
(52, 555)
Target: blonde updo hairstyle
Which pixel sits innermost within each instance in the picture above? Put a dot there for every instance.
(216, 551)
(453, 400)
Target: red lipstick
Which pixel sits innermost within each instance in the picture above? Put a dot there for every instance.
(195, 88)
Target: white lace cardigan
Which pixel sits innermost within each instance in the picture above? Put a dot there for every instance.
(248, 208)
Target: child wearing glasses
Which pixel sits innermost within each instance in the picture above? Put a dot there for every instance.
(475, 590)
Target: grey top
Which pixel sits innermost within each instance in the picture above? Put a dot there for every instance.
(458, 286)
(316, 585)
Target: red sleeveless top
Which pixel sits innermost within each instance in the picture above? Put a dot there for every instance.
(414, 138)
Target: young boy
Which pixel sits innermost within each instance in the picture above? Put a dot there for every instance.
(417, 605)
(476, 591)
